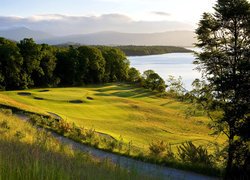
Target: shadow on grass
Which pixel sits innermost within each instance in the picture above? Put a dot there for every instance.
(77, 101)
(24, 93)
(38, 98)
(44, 90)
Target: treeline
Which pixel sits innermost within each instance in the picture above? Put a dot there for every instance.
(132, 50)
(151, 50)
(26, 64)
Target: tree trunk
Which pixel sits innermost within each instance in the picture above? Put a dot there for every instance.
(229, 169)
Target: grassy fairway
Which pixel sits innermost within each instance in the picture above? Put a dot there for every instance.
(118, 110)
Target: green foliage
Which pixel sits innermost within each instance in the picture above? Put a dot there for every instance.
(224, 38)
(150, 50)
(48, 65)
(4, 124)
(11, 62)
(6, 111)
(175, 86)
(188, 152)
(161, 150)
(27, 64)
(157, 148)
(134, 75)
(91, 59)
(19, 134)
(151, 80)
(31, 53)
(117, 64)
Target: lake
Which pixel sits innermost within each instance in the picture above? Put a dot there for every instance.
(176, 64)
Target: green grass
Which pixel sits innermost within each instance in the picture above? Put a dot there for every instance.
(29, 154)
(119, 110)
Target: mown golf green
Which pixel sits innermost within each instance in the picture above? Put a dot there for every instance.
(119, 110)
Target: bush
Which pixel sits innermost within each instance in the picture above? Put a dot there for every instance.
(19, 135)
(64, 127)
(35, 119)
(157, 148)
(188, 152)
(4, 124)
(6, 111)
(169, 153)
(111, 145)
(89, 134)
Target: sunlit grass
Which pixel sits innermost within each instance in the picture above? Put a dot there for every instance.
(119, 110)
(27, 154)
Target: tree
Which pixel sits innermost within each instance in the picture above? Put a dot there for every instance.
(117, 64)
(48, 65)
(134, 75)
(66, 67)
(224, 38)
(31, 53)
(153, 81)
(10, 66)
(175, 86)
(95, 64)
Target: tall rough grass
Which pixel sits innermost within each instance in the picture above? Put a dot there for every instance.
(43, 157)
(31, 161)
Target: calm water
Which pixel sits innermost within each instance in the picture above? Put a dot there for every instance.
(176, 64)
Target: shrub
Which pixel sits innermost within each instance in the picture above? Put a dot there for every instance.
(120, 144)
(35, 119)
(77, 133)
(157, 148)
(6, 111)
(129, 147)
(95, 142)
(169, 153)
(188, 152)
(111, 145)
(64, 127)
(19, 135)
(90, 133)
(4, 124)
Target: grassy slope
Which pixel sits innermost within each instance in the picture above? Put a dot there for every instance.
(36, 155)
(120, 110)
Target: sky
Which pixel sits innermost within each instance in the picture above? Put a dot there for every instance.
(86, 16)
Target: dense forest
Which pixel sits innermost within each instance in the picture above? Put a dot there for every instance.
(151, 50)
(132, 50)
(26, 64)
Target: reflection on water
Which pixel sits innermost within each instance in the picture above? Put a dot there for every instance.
(176, 64)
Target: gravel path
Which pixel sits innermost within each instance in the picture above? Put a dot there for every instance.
(129, 163)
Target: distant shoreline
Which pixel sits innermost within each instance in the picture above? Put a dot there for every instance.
(151, 50)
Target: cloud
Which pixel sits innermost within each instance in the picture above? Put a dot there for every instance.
(64, 25)
(160, 13)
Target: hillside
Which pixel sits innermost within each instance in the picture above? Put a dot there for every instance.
(27, 153)
(119, 111)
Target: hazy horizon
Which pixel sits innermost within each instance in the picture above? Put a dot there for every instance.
(64, 17)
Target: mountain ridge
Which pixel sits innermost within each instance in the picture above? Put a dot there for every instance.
(167, 38)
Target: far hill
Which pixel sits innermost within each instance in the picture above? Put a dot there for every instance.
(20, 33)
(170, 38)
